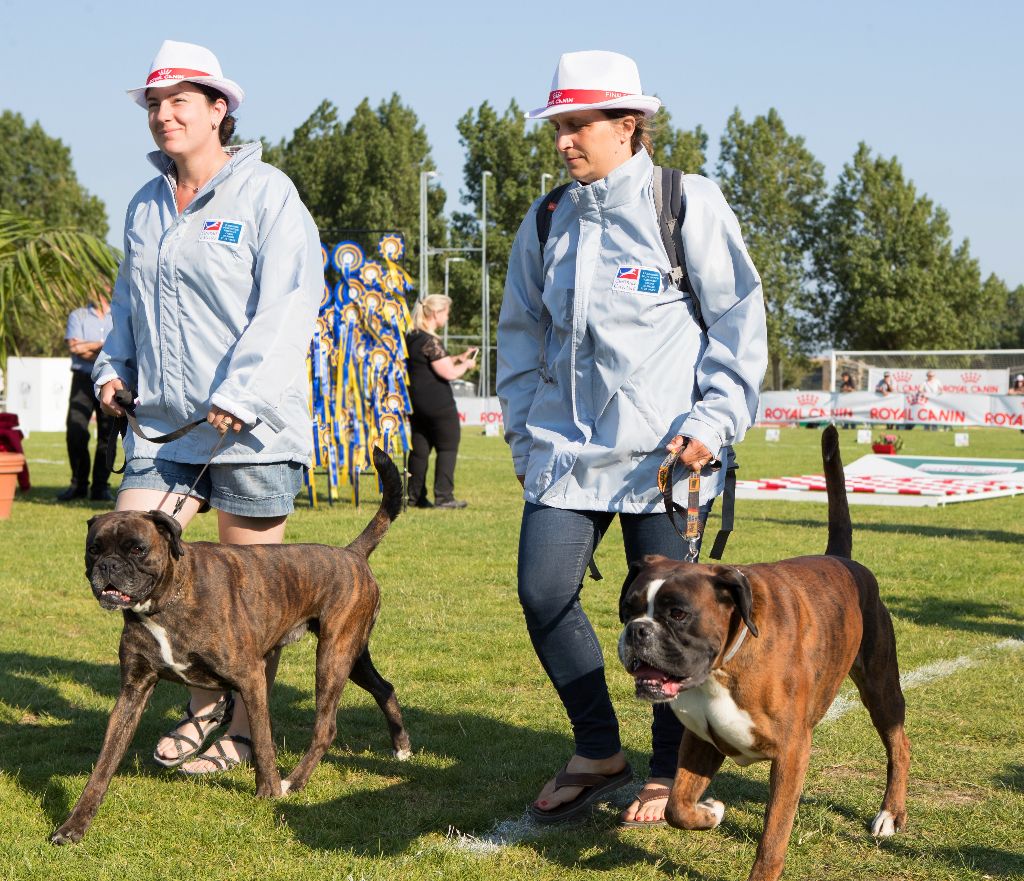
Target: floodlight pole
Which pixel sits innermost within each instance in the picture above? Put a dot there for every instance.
(543, 184)
(485, 298)
(424, 279)
(447, 261)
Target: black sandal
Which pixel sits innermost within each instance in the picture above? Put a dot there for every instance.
(222, 760)
(594, 788)
(220, 715)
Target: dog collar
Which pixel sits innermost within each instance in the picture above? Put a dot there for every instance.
(736, 645)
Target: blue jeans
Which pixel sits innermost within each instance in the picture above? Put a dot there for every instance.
(555, 546)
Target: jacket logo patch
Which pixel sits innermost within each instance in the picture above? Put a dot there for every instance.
(227, 232)
(633, 279)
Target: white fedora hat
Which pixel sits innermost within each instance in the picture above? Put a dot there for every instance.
(596, 80)
(186, 62)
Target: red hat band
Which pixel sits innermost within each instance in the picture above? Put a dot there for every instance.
(583, 96)
(173, 73)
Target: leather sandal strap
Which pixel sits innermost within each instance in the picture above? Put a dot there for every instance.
(654, 792)
(220, 709)
(222, 760)
(565, 778)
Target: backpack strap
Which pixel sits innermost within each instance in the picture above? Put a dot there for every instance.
(545, 210)
(670, 206)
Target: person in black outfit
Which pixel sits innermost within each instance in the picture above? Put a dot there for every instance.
(435, 420)
(87, 328)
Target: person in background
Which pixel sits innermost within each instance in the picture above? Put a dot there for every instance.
(885, 386)
(1017, 386)
(603, 365)
(846, 383)
(931, 388)
(435, 420)
(87, 328)
(214, 307)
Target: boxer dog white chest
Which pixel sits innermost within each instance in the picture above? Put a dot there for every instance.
(164, 644)
(710, 707)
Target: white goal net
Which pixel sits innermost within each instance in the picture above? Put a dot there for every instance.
(970, 371)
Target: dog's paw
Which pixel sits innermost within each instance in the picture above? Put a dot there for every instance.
(285, 786)
(66, 835)
(403, 755)
(884, 825)
(715, 807)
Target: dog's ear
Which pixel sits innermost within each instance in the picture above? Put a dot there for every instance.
(171, 528)
(735, 583)
(634, 569)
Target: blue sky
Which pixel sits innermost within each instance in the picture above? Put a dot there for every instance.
(938, 84)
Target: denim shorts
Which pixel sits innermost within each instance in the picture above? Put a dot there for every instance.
(249, 489)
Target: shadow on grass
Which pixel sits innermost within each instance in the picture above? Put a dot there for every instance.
(1012, 778)
(55, 737)
(990, 862)
(958, 614)
(468, 773)
(920, 530)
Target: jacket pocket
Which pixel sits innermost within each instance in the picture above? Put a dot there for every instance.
(657, 426)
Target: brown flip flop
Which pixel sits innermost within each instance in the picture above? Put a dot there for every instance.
(595, 787)
(655, 791)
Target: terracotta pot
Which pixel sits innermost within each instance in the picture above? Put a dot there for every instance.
(10, 467)
(883, 449)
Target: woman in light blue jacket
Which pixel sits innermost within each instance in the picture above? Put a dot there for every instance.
(213, 310)
(603, 364)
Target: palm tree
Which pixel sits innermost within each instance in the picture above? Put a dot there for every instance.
(45, 272)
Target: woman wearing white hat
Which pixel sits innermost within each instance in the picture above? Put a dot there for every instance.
(603, 363)
(213, 309)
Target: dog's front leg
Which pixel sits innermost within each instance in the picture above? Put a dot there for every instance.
(136, 686)
(698, 763)
(264, 756)
(785, 783)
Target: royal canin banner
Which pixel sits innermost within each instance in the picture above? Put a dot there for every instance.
(479, 411)
(953, 382)
(968, 410)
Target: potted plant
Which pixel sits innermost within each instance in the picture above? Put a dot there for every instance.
(887, 444)
(11, 465)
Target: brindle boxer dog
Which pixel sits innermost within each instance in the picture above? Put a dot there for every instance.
(751, 657)
(208, 614)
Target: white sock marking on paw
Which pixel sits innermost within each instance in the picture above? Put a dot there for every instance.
(403, 755)
(716, 807)
(883, 825)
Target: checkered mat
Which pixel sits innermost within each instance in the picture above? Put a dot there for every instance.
(900, 480)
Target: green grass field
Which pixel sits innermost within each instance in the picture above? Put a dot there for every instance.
(487, 729)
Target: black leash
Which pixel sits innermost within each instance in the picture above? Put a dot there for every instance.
(126, 400)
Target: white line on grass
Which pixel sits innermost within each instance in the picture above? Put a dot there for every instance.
(524, 828)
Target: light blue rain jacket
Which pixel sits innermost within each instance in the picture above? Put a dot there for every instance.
(216, 306)
(601, 361)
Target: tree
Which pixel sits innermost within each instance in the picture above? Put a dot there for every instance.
(889, 276)
(678, 148)
(363, 175)
(45, 272)
(776, 187)
(37, 179)
(1010, 321)
(517, 155)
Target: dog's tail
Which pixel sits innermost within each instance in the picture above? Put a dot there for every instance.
(840, 528)
(390, 505)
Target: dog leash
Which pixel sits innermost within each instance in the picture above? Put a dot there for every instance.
(694, 526)
(126, 400)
